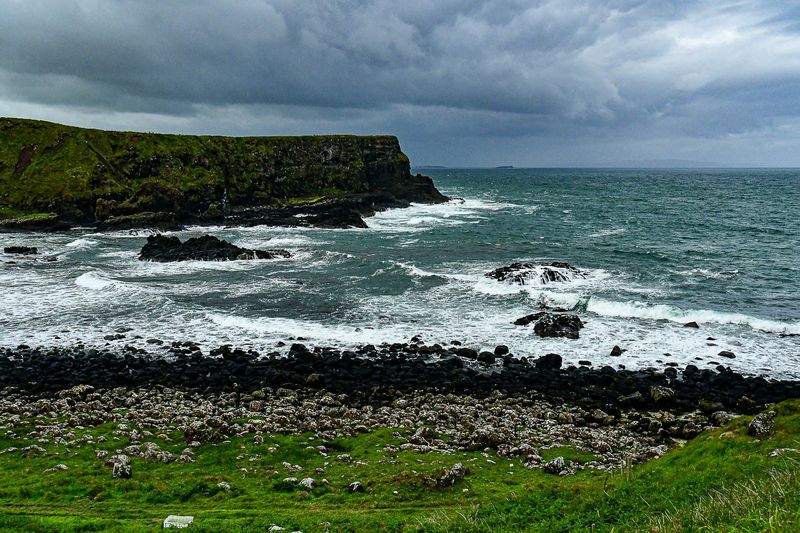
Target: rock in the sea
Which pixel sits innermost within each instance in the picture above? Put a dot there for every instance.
(523, 272)
(550, 325)
(692, 324)
(21, 250)
(206, 248)
(616, 351)
(727, 354)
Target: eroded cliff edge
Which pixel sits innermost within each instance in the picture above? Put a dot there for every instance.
(53, 176)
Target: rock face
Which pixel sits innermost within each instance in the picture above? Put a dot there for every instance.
(552, 325)
(207, 248)
(129, 179)
(523, 273)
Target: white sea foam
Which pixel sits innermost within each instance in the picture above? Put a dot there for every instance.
(705, 273)
(81, 243)
(421, 217)
(123, 254)
(138, 233)
(155, 268)
(641, 310)
(293, 240)
(283, 328)
(607, 232)
(96, 281)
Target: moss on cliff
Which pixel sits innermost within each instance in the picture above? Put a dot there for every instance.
(77, 173)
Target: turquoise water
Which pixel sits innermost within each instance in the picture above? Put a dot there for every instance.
(661, 248)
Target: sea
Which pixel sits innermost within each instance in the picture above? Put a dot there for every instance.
(659, 248)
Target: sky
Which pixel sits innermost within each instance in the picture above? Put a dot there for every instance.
(460, 82)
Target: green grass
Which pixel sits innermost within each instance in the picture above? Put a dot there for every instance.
(10, 212)
(721, 481)
(44, 164)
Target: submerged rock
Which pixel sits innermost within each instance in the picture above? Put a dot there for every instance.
(21, 250)
(206, 248)
(522, 272)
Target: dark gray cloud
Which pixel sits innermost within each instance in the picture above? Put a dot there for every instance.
(469, 81)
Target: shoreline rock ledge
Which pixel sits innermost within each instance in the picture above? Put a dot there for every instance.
(147, 180)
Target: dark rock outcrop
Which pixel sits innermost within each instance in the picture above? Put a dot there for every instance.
(552, 325)
(21, 250)
(161, 248)
(547, 273)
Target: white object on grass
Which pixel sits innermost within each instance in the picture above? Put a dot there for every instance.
(178, 521)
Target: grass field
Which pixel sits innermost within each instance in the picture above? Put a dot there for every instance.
(723, 480)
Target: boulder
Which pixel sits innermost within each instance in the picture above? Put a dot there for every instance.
(161, 248)
(692, 324)
(487, 358)
(551, 361)
(121, 466)
(501, 349)
(616, 351)
(556, 466)
(467, 353)
(727, 354)
(551, 325)
(761, 425)
(452, 475)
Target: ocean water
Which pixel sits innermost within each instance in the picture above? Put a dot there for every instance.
(661, 248)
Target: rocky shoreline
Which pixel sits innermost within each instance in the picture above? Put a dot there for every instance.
(388, 370)
(443, 399)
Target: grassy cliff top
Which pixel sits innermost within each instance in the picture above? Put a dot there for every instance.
(22, 124)
(55, 168)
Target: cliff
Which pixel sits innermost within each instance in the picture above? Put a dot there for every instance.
(54, 173)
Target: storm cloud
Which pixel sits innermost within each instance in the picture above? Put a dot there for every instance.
(461, 82)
